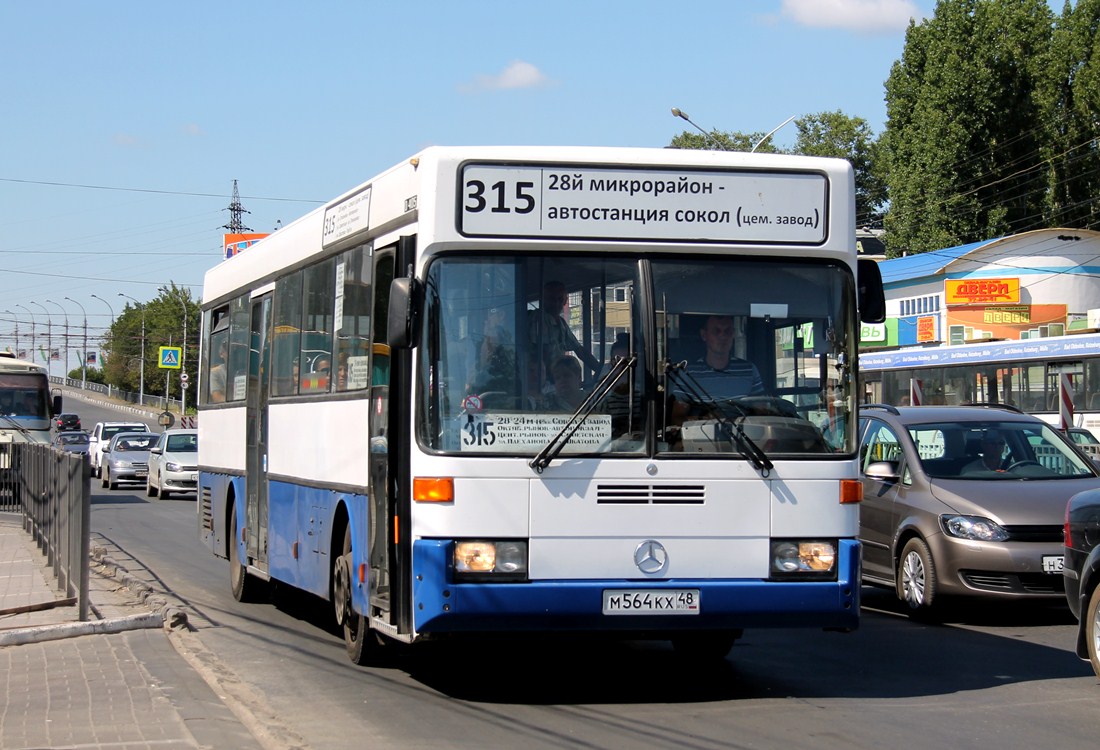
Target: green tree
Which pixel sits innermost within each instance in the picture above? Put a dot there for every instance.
(962, 140)
(1071, 113)
(837, 135)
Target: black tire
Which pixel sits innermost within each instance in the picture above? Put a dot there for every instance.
(707, 645)
(361, 642)
(245, 587)
(105, 478)
(1091, 624)
(108, 482)
(150, 490)
(916, 578)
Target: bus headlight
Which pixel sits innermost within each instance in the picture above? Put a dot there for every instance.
(803, 557)
(490, 559)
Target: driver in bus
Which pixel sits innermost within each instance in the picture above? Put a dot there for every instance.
(719, 374)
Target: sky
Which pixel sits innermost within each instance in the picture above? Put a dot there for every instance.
(124, 125)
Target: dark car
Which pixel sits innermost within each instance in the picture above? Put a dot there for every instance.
(965, 501)
(1082, 571)
(66, 422)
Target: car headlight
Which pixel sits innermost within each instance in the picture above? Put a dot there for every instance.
(123, 464)
(975, 528)
(803, 557)
(173, 466)
(490, 559)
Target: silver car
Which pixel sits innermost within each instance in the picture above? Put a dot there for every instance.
(126, 458)
(965, 500)
(173, 463)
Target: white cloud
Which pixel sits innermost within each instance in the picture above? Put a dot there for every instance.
(517, 75)
(856, 15)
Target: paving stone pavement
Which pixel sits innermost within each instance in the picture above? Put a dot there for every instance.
(130, 677)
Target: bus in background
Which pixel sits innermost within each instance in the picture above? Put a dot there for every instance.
(468, 396)
(25, 407)
(1025, 374)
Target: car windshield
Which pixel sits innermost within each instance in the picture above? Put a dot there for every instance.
(109, 432)
(135, 443)
(76, 439)
(999, 450)
(183, 443)
(518, 350)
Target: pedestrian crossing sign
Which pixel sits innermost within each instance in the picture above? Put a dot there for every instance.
(170, 357)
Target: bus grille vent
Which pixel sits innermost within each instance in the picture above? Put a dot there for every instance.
(207, 513)
(651, 494)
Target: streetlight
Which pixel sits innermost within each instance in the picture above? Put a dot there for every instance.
(112, 320)
(84, 356)
(66, 314)
(183, 354)
(709, 136)
(49, 337)
(772, 132)
(141, 386)
(32, 327)
(15, 320)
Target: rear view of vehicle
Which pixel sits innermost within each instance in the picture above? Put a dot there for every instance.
(1082, 572)
(965, 501)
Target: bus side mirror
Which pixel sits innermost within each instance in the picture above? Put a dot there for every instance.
(872, 297)
(55, 403)
(404, 313)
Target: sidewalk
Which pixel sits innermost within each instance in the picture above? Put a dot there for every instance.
(119, 680)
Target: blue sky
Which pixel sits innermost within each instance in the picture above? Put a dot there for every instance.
(124, 124)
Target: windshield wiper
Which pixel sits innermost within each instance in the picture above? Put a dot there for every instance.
(557, 443)
(698, 396)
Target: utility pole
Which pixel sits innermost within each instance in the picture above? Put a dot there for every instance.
(236, 225)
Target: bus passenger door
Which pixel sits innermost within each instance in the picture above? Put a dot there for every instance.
(256, 460)
(382, 444)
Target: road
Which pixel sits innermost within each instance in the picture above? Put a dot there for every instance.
(1002, 677)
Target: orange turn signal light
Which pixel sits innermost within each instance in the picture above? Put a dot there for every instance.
(851, 491)
(433, 489)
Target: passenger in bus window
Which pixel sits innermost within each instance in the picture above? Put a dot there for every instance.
(217, 375)
(718, 373)
(496, 365)
(30, 405)
(549, 330)
(567, 395)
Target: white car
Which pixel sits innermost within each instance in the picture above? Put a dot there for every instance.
(101, 436)
(173, 463)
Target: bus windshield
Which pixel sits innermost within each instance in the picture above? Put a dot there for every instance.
(24, 395)
(726, 349)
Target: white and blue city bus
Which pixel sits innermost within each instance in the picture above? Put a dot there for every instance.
(26, 407)
(396, 434)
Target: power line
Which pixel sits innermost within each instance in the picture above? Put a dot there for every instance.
(156, 192)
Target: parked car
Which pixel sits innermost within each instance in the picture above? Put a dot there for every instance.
(173, 463)
(1082, 572)
(101, 435)
(965, 500)
(1085, 440)
(126, 458)
(66, 421)
(71, 441)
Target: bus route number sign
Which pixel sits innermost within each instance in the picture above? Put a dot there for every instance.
(671, 204)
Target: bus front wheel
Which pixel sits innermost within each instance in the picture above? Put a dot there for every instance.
(360, 641)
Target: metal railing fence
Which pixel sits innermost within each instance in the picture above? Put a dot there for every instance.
(53, 492)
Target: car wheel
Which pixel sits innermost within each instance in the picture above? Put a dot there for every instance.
(150, 488)
(1092, 629)
(245, 587)
(916, 577)
(107, 481)
(104, 480)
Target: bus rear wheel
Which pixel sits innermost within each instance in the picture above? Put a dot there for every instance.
(361, 643)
